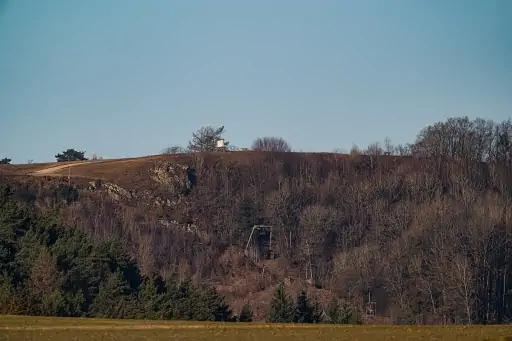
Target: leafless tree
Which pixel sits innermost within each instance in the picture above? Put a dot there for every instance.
(463, 278)
(460, 138)
(388, 146)
(355, 150)
(205, 139)
(374, 149)
(271, 144)
(174, 150)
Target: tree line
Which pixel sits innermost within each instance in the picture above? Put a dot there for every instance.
(457, 137)
(204, 140)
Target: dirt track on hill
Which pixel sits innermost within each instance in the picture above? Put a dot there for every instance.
(86, 169)
(51, 170)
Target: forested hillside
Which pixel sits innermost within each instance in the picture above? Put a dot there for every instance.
(424, 230)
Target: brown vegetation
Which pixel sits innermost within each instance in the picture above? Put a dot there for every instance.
(427, 230)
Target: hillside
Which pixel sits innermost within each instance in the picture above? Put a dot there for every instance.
(425, 233)
(402, 227)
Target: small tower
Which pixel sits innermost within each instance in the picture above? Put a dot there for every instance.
(371, 306)
(222, 145)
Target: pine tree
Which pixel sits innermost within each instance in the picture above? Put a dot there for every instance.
(306, 312)
(183, 301)
(347, 315)
(245, 314)
(71, 155)
(114, 298)
(213, 307)
(281, 307)
(8, 304)
(149, 301)
(340, 313)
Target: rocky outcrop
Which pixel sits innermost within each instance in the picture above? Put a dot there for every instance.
(178, 179)
(117, 192)
(114, 191)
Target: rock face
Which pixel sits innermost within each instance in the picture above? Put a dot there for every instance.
(117, 192)
(176, 178)
(114, 191)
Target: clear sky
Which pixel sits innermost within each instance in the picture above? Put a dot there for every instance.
(125, 78)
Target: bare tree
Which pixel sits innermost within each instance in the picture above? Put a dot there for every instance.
(460, 138)
(503, 143)
(174, 150)
(271, 144)
(355, 150)
(388, 146)
(403, 150)
(464, 286)
(315, 222)
(205, 139)
(374, 149)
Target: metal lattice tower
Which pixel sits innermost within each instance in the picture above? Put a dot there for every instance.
(254, 252)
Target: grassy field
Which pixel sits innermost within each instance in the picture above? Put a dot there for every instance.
(17, 328)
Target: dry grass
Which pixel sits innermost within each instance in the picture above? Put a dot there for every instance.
(17, 328)
(133, 172)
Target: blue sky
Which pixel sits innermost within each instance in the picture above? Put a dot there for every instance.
(125, 78)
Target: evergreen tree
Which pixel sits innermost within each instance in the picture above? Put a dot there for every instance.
(305, 311)
(213, 307)
(114, 298)
(8, 302)
(342, 313)
(5, 161)
(150, 301)
(54, 304)
(245, 314)
(183, 301)
(281, 307)
(14, 223)
(71, 155)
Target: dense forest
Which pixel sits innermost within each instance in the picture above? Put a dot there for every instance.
(424, 231)
(51, 270)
